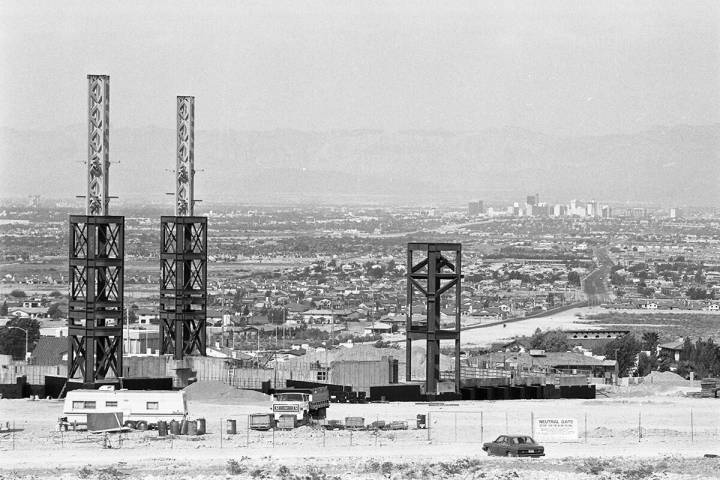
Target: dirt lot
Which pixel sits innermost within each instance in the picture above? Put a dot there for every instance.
(638, 437)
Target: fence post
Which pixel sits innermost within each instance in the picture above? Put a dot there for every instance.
(13, 435)
(532, 424)
(639, 426)
(428, 428)
(455, 426)
(482, 426)
(324, 430)
(221, 431)
(692, 427)
(351, 438)
(247, 431)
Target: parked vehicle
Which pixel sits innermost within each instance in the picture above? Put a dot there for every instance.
(303, 403)
(140, 409)
(514, 446)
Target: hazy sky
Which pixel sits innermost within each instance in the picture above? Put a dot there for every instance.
(561, 67)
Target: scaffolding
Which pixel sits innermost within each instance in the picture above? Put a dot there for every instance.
(96, 257)
(183, 252)
(434, 269)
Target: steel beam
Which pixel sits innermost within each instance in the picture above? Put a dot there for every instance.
(183, 285)
(95, 310)
(428, 279)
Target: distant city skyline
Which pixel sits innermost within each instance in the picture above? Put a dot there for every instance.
(300, 100)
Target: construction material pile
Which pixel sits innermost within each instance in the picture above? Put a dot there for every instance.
(661, 384)
(218, 392)
(665, 378)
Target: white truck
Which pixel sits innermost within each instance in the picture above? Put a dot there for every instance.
(302, 403)
(141, 409)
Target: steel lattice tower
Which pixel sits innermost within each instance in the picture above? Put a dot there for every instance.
(96, 257)
(183, 252)
(435, 273)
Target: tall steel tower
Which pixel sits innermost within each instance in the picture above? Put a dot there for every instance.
(183, 252)
(433, 272)
(96, 257)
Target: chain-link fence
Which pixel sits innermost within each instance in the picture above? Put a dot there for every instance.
(626, 424)
(619, 424)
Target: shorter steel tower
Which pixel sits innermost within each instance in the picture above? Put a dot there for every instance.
(183, 252)
(432, 272)
(96, 257)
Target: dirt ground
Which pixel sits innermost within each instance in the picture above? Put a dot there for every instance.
(661, 436)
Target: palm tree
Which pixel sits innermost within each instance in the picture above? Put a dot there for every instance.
(650, 341)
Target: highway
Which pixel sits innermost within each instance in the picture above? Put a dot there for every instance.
(595, 284)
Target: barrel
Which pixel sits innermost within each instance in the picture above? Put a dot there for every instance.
(184, 427)
(175, 427)
(232, 427)
(201, 426)
(192, 428)
(162, 428)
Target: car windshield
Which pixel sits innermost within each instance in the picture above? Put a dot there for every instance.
(290, 397)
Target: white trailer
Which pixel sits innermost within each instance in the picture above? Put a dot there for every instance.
(140, 408)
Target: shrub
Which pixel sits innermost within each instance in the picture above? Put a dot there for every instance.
(234, 467)
(594, 466)
(85, 472)
(109, 473)
(284, 473)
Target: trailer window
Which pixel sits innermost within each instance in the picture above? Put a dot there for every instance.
(78, 405)
(152, 406)
(89, 405)
(322, 376)
(111, 403)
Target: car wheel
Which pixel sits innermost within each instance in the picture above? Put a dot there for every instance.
(142, 425)
(130, 424)
(511, 454)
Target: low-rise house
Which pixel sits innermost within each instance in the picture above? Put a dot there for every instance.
(671, 349)
(378, 328)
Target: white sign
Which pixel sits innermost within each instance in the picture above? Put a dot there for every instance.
(556, 430)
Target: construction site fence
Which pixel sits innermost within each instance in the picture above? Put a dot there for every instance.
(622, 426)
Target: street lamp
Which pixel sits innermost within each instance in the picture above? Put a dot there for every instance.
(26, 339)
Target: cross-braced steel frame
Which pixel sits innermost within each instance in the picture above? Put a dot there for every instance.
(183, 285)
(95, 310)
(433, 270)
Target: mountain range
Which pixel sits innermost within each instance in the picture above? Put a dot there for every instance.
(678, 165)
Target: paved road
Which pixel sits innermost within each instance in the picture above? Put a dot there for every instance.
(595, 285)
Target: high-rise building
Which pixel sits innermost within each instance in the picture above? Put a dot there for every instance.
(606, 211)
(476, 208)
(592, 208)
(675, 212)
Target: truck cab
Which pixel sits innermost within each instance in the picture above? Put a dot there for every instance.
(302, 403)
(291, 403)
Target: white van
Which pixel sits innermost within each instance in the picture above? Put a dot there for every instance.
(140, 409)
